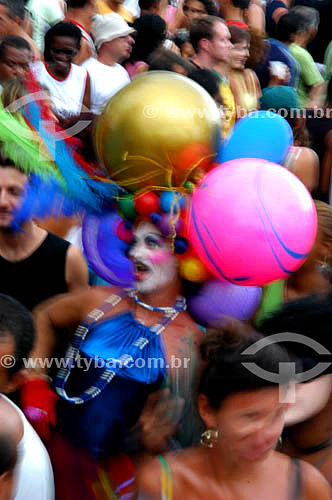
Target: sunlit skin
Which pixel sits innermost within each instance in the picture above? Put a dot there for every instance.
(239, 55)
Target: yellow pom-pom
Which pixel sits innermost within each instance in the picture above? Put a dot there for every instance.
(192, 269)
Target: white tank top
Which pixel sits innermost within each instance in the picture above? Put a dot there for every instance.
(66, 95)
(33, 471)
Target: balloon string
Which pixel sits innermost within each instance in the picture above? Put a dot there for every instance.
(196, 164)
(142, 178)
(144, 158)
(173, 221)
(125, 183)
(168, 170)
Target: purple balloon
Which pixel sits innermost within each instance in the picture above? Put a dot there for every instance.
(170, 222)
(105, 252)
(218, 299)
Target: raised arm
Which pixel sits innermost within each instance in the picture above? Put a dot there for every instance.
(64, 312)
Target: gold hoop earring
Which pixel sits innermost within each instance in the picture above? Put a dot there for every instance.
(209, 438)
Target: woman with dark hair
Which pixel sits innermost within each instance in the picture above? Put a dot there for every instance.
(183, 43)
(244, 82)
(150, 35)
(167, 60)
(244, 418)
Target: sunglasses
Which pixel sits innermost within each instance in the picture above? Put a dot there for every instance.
(66, 52)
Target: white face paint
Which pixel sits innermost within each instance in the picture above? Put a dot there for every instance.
(155, 264)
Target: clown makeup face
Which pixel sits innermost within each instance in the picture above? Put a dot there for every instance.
(155, 264)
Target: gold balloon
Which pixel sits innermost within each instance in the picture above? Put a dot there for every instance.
(155, 132)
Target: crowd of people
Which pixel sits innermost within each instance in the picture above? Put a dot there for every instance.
(198, 424)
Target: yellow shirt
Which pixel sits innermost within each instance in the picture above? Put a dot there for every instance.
(103, 8)
(246, 91)
(229, 107)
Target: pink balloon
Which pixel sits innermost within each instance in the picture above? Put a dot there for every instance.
(252, 222)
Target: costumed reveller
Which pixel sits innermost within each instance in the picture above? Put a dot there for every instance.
(148, 328)
(128, 342)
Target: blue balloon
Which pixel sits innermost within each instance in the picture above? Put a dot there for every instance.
(156, 218)
(261, 134)
(170, 200)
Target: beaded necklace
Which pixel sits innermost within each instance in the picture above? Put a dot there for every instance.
(107, 374)
(180, 303)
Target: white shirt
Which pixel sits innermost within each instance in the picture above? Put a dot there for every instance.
(105, 82)
(133, 7)
(33, 472)
(74, 236)
(66, 95)
(45, 13)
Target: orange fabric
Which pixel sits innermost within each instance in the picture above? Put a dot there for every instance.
(103, 8)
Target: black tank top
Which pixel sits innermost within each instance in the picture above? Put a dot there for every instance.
(39, 276)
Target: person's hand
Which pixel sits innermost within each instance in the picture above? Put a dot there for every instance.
(158, 420)
(39, 405)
